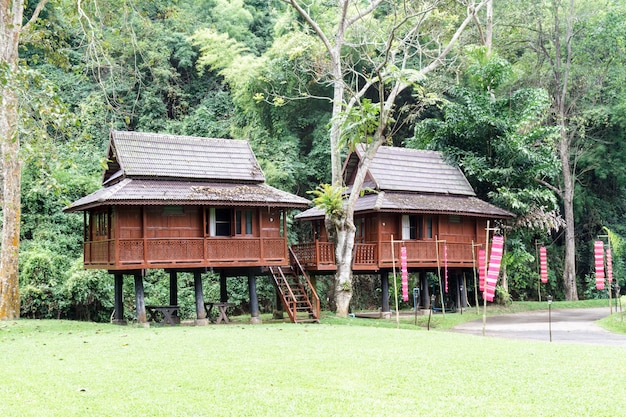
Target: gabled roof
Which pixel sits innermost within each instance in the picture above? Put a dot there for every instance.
(152, 155)
(159, 169)
(413, 181)
(412, 170)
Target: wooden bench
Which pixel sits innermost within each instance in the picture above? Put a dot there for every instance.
(221, 311)
(168, 313)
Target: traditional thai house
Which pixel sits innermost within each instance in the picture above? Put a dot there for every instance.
(417, 200)
(184, 204)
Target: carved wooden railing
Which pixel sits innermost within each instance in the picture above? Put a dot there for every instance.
(365, 254)
(185, 251)
(233, 249)
(101, 252)
(321, 255)
(425, 252)
(314, 255)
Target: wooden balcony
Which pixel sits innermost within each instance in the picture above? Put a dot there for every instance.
(320, 256)
(123, 254)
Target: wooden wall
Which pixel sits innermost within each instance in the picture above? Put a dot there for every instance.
(380, 228)
(175, 222)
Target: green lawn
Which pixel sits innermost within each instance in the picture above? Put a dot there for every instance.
(337, 368)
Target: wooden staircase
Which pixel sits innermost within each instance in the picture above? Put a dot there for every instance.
(296, 292)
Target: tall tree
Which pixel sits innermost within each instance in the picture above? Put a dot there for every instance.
(573, 57)
(374, 52)
(496, 135)
(11, 28)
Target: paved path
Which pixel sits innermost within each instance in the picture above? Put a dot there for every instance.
(568, 326)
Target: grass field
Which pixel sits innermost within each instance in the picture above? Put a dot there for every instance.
(342, 367)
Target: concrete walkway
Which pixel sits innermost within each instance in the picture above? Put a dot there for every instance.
(568, 326)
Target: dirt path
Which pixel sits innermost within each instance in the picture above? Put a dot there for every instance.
(568, 326)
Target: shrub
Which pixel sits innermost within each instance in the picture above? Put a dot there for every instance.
(42, 285)
(89, 294)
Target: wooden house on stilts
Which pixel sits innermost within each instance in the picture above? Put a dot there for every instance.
(189, 204)
(419, 200)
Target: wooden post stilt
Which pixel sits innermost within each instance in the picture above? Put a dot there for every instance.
(254, 301)
(140, 302)
(173, 288)
(384, 289)
(223, 287)
(201, 319)
(425, 290)
(458, 291)
(118, 317)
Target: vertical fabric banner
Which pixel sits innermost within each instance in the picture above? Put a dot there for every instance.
(599, 257)
(445, 265)
(481, 270)
(609, 265)
(543, 264)
(405, 274)
(493, 270)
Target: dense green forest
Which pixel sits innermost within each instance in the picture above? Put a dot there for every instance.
(532, 108)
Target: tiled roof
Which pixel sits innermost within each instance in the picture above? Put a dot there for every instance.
(160, 169)
(403, 169)
(151, 155)
(159, 192)
(419, 203)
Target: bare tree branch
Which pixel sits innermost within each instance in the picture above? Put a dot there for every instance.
(35, 16)
(471, 12)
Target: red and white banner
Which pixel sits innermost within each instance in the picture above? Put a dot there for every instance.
(481, 270)
(609, 265)
(445, 265)
(493, 271)
(405, 274)
(543, 264)
(599, 257)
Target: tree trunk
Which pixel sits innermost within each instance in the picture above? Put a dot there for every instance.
(10, 26)
(343, 276)
(343, 227)
(489, 27)
(569, 268)
(562, 64)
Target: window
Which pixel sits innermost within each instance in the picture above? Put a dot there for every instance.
(248, 222)
(243, 222)
(454, 218)
(219, 222)
(360, 230)
(429, 227)
(101, 224)
(411, 227)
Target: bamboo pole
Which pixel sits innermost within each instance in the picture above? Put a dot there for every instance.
(608, 239)
(485, 286)
(538, 269)
(475, 283)
(443, 307)
(395, 283)
(606, 271)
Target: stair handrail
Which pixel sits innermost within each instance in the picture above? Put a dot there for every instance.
(316, 299)
(291, 304)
